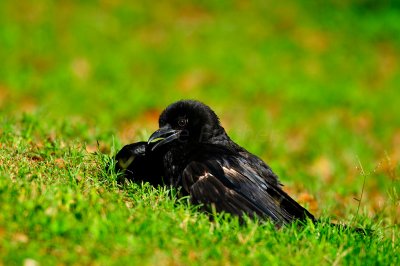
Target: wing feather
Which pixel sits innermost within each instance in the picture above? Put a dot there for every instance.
(232, 185)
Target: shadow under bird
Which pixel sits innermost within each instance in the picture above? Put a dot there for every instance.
(192, 150)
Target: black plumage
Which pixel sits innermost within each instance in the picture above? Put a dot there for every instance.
(197, 154)
(137, 162)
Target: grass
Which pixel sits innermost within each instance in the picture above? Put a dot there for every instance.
(309, 87)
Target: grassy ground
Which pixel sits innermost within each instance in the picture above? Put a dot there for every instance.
(311, 88)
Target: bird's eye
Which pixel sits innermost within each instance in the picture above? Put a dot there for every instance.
(182, 122)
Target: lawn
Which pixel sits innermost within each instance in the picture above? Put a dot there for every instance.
(311, 88)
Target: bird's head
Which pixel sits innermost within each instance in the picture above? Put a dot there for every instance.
(186, 121)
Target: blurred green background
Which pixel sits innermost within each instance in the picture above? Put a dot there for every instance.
(310, 86)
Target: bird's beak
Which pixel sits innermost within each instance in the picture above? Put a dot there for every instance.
(163, 136)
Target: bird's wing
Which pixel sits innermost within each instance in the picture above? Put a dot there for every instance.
(138, 163)
(231, 184)
(261, 167)
(128, 153)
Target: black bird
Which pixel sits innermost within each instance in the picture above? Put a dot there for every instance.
(138, 163)
(198, 155)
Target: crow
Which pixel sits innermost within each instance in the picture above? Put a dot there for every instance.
(138, 163)
(197, 154)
